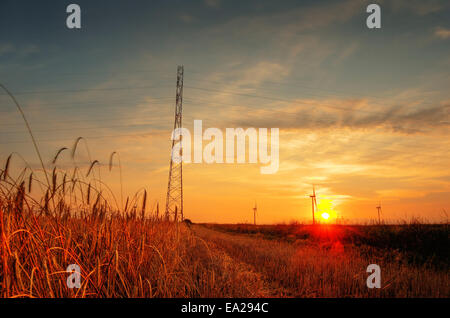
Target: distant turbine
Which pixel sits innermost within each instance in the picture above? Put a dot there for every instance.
(379, 212)
(254, 214)
(314, 203)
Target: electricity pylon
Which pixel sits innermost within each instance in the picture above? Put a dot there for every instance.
(314, 204)
(174, 200)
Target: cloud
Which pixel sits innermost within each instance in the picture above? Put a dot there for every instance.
(186, 18)
(28, 50)
(442, 33)
(6, 48)
(22, 51)
(347, 52)
(349, 113)
(288, 24)
(418, 7)
(256, 74)
(212, 3)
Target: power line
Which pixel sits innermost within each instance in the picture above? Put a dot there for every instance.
(288, 83)
(90, 119)
(66, 106)
(273, 112)
(88, 137)
(403, 152)
(199, 88)
(79, 128)
(320, 104)
(103, 119)
(95, 72)
(112, 126)
(289, 112)
(261, 85)
(85, 90)
(96, 120)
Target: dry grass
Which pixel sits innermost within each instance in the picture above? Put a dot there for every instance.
(327, 269)
(118, 257)
(127, 252)
(131, 252)
(417, 243)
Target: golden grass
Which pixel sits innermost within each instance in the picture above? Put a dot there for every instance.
(118, 258)
(304, 269)
(131, 253)
(122, 251)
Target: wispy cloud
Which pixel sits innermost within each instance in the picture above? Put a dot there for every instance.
(442, 33)
(186, 18)
(213, 3)
(20, 51)
(350, 113)
(418, 7)
(288, 23)
(6, 48)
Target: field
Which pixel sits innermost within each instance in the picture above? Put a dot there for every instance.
(330, 261)
(135, 256)
(134, 252)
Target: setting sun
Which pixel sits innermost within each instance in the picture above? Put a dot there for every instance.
(326, 209)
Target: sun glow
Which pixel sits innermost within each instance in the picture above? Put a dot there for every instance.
(326, 210)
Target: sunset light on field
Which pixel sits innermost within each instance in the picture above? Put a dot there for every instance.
(352, 123)
(238, 151)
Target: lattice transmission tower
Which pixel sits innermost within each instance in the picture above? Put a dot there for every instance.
(174, 200)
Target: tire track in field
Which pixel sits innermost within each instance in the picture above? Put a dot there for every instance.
(215, 240)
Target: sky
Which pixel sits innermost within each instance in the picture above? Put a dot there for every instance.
(363, 114)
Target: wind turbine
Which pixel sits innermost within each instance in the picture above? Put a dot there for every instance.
(254, 214)
(379, 212)
(314, 204)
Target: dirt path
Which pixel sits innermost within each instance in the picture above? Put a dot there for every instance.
(217, 243)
